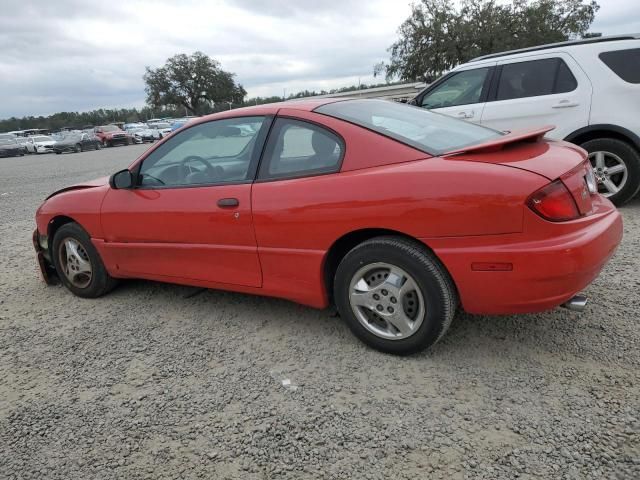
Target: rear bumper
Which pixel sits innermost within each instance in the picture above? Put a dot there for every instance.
(550, 264)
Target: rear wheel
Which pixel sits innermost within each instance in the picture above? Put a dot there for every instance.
(617, 168)
(394, 295)
(78, 264)
(97, 146)
(78, 148)
(105, 143)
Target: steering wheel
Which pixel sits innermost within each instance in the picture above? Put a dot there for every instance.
(187, 170)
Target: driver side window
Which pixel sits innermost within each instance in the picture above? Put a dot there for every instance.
(216, 152)
(462, 88)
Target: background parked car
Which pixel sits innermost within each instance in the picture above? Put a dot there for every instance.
(23, 141)
(163, 128)
(9, 146)
(588, 89)
(110, 135)
(77, 142)
(144, 134)
(40, 144)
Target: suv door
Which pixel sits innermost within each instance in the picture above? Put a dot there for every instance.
(189, 216)
(547, 89)
(460, 94)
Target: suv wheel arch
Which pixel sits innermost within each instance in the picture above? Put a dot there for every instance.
(604, 130)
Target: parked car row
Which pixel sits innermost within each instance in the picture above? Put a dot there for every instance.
(23, 142)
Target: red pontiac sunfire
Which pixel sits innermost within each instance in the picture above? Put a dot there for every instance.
(396, 214)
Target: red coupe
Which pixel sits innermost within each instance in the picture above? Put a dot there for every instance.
(395, 214)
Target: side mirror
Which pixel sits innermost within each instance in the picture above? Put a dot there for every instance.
(121, 180)
(413, 101)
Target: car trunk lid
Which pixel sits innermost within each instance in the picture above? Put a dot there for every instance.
(527, 150)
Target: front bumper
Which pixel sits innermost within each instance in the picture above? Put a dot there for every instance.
(47, 270)
(550, 264)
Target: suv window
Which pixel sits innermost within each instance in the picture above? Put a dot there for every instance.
(298, 148)
(462, 88)
(535, 78)
(215, 152)
(624, 63)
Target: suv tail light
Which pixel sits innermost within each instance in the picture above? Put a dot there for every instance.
(554, 202)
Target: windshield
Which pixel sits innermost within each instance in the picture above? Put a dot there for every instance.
(430, 132)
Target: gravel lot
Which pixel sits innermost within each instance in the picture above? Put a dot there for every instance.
(149, 382)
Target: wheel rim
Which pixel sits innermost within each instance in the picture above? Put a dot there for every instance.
(75, 262)
(387, 301)
(610, 170)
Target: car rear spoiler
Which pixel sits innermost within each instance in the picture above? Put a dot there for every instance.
(531, 135)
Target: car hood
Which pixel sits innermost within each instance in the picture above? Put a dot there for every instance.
(10, 147)
(526, 150)
(44, 144)
(98, 182)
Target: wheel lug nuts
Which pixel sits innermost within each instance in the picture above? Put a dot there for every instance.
(384, 292)
(379, 308)
(376, 296)
(393, 300)
(390, 309)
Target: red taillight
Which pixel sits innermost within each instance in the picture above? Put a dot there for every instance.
(554, 202)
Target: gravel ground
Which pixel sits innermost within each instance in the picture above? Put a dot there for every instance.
(149, 382)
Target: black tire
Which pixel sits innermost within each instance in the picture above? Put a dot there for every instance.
(434, 282)
(631, 158)
(106, 144)
(101, 282)
(58, 152)
(78, 148)
(97, 145)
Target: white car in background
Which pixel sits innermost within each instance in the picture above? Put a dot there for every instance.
(163, 128)
(589, 89)
(40, 144)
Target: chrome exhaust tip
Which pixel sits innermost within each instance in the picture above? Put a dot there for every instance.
(577, 304)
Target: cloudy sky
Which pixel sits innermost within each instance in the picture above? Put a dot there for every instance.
(74, 55)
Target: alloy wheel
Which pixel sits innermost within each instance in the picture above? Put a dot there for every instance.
(387, 301)
(610, 170)
(75, 262)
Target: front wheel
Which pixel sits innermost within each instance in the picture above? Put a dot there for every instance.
(97, 145)
(78, 263)
(617, 168)
(395, 295)
(78, 148)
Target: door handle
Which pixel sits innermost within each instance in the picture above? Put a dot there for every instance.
(228, 202)
(465, 114)
(565, 104)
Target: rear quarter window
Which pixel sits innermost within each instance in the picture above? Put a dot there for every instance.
(624, 63)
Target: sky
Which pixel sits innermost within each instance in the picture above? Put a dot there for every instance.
(74, 55)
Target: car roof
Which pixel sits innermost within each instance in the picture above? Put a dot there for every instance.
(570, 43)
(305, 104)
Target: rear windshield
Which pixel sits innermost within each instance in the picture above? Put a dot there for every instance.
(624, 63)
(430, 132)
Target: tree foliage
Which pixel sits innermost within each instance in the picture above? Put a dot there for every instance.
(438, 35)
(191, 81)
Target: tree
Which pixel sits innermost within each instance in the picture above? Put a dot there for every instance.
(194, 82)
(437, 36)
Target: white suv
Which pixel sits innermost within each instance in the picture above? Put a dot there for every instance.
(589, 89)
